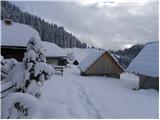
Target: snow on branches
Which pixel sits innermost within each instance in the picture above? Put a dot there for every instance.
(35, 70)
(70, 56)
(8, 64)
(28, 77)
(18, 106)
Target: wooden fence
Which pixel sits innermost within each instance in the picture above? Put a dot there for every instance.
(6, 86)
(58, 70)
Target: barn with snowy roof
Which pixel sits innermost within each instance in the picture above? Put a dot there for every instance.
(14, 40)
(100, 63)
(54, 54)
(146, 66)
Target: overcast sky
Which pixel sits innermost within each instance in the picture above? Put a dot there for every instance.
(108, 25)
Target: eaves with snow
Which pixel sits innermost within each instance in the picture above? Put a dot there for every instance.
(147, 61)
(17, 35)
(53, 50)
(91, 58)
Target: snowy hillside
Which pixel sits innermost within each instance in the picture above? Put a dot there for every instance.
(47, 31)
(75, 96)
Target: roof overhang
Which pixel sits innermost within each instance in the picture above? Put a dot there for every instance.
(50, 57)
(13, 47)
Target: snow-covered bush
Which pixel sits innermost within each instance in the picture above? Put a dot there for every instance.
(18, 106)
(34, 69)
(8, 64)
(28, 77)
(70, 56)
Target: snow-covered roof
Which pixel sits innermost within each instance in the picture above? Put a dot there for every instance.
(115, 58)
(52, 50)
(147, 61)
(91, 58)
(81, 53)
(16, 34)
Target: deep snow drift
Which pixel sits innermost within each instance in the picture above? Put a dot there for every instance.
(75, 96)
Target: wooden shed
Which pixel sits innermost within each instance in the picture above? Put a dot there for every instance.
(54, 54)
(146, 66)
(100, 63)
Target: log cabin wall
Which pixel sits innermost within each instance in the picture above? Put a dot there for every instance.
(12, 52)
(146, 82)
(52, 61)
(56, 61)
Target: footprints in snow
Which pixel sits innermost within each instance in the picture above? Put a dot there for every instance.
(84, 101)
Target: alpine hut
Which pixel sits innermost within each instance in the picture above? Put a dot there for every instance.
(54, 54)
(100, 63)
(14, 38)
(146, 66)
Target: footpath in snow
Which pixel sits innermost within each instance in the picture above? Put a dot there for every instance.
(75, 96)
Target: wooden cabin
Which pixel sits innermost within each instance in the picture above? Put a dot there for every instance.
(54, 54)
(14, 40)
(146, 66)
(100, 63)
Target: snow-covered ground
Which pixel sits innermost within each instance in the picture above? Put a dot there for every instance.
(75, 96)
(79, 53)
